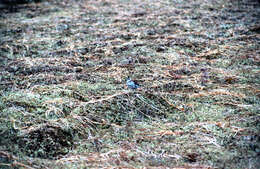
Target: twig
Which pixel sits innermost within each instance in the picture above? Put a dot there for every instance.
(22, 165)
(107, 98)
(149, 104)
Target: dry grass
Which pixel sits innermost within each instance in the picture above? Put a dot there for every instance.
(64, 102)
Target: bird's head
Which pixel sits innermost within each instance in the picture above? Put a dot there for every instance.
(128, 79)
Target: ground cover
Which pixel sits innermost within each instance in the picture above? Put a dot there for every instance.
(64, 102)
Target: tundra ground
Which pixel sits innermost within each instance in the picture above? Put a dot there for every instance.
(64, 102)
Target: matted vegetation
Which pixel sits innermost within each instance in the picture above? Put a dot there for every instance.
(64, 102)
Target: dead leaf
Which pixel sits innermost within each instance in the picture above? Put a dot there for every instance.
(230, 80)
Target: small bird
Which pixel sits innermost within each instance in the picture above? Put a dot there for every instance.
(131, 84)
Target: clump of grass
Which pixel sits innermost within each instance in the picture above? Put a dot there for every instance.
(64, 101)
